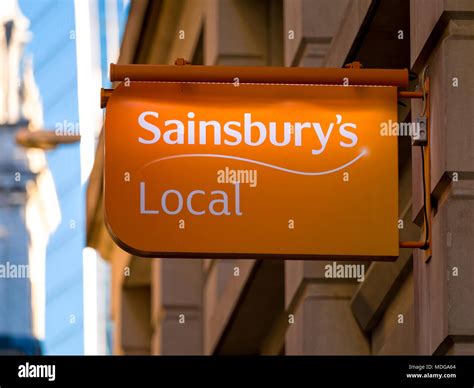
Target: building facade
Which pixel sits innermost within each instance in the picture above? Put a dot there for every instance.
(223, 306)
(26, 193)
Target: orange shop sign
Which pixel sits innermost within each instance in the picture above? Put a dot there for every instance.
(196, 169)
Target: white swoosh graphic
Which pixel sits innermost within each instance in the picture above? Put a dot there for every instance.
(257, 162)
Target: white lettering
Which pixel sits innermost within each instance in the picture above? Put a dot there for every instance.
(178, 132)
(349, 135)
(149, 127)
(189, 203)
(232, 132)
(165, 197)
(142, 201)
(322, 138)
(248, 125)
(250, 132)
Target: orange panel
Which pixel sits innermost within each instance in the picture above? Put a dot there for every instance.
(317, 179)
(260, 74)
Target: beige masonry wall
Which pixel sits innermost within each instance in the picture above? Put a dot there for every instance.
(443, 39)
